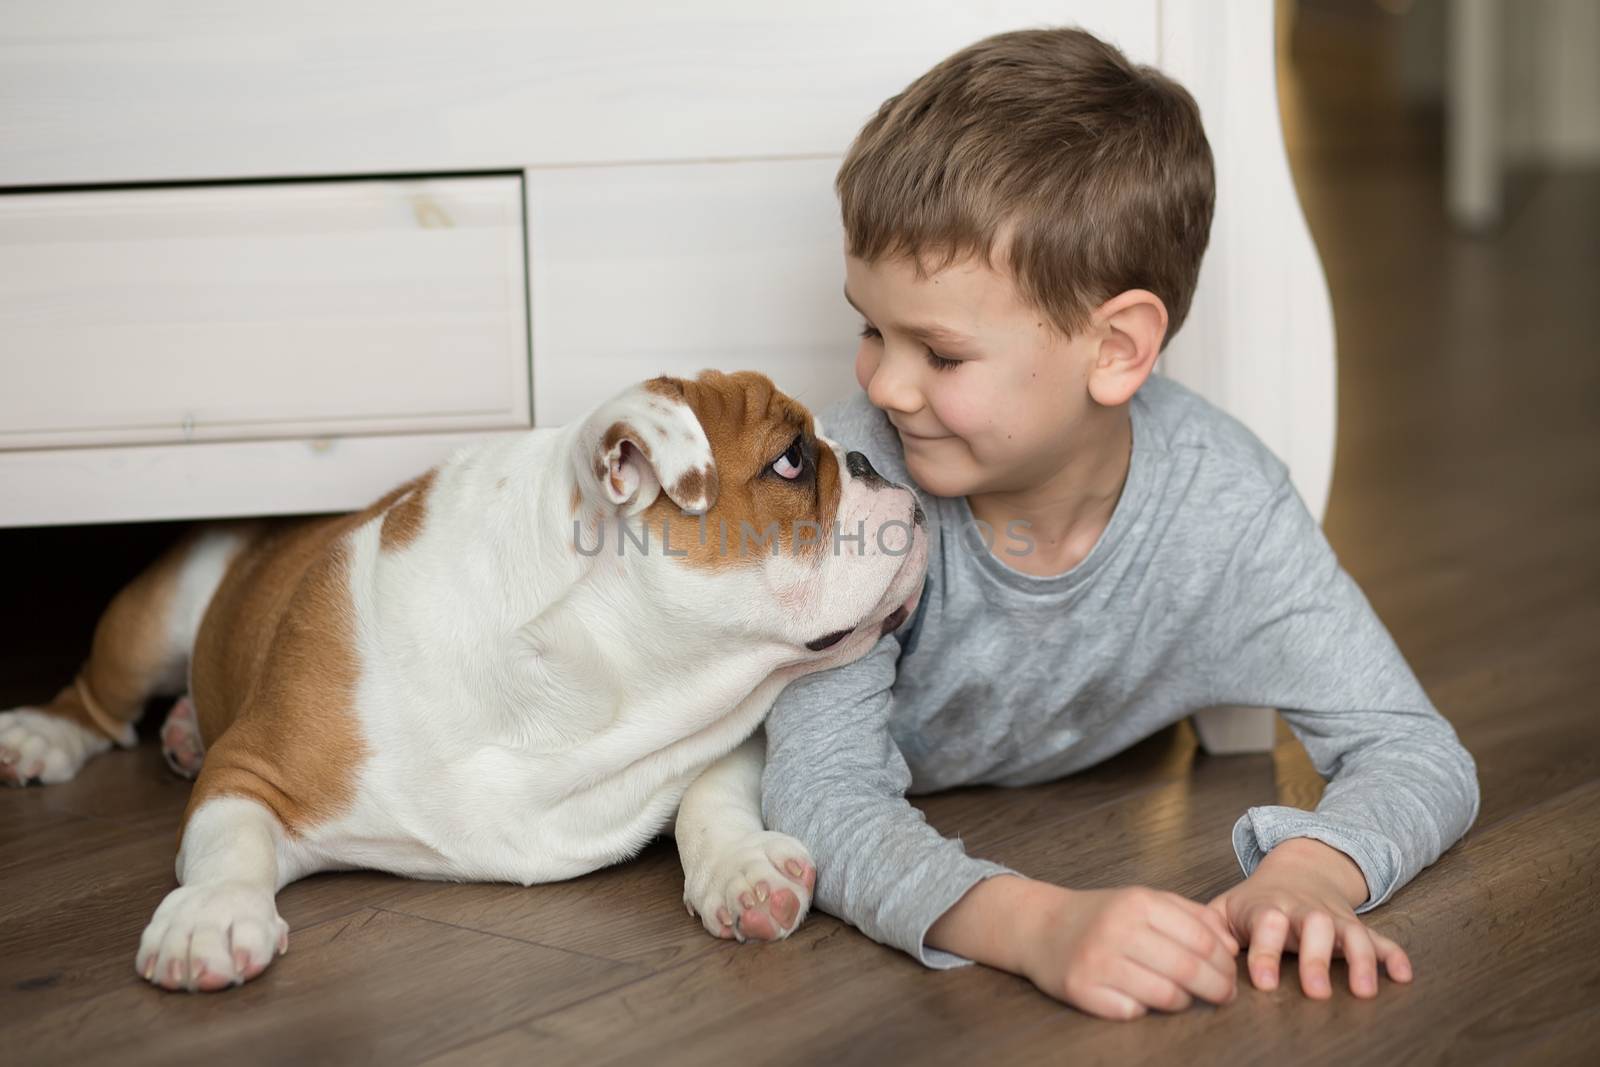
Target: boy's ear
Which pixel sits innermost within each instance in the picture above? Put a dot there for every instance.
(1130, 327)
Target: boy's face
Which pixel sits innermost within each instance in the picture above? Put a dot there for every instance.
(987, 396)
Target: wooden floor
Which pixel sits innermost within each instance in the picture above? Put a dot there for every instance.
(1466, 502)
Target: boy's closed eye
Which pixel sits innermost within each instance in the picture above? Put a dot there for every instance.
(936, 361)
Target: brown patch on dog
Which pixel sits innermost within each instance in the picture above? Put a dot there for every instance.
(699, 483)
(663, 385)
(748, 423)
(404, 520)
(577, 499)
(275, 671)
(617, 433)
(132, 653)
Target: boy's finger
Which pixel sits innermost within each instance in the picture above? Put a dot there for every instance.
(1199, 938)
(1196, 974)
(1269, 929)
(1361, 955)
(1393, 957)
(1214, 919)
(1150, 988)
(1316, 949)
(1110, 1003)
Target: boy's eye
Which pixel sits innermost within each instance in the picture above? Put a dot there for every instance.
(789, 465)
(935, 360)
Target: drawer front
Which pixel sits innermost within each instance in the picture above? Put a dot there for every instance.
(245, 312)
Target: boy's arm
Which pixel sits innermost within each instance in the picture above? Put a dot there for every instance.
(1299, 635)
(836, 781)
(1303, 639)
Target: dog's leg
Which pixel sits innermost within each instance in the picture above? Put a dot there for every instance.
(742, 880)
(220, 927)
(141, 649)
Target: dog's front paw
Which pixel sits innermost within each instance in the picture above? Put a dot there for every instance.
(755, 887)
(208, 937)
(35, 745)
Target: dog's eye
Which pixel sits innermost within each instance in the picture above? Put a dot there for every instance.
(791, 462)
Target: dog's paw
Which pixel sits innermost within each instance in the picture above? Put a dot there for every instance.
(180, 739)
(756, 887)
(34, 745)
(208, 937)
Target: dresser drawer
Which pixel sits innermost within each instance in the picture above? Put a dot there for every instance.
(258, 311)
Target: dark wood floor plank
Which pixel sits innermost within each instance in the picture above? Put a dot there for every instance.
(1516, 901)
(374, 986)
(631, 913)
(841, 998)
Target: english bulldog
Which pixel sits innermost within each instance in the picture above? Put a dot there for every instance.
(519, 667)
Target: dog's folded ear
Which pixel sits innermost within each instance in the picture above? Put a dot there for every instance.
(644, 441)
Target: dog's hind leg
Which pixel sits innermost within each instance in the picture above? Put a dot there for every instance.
(141, 649)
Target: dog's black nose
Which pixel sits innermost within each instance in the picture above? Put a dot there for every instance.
(860, 467)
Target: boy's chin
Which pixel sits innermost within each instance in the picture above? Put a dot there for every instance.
(940, 478)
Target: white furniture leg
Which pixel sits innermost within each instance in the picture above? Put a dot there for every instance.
(1230, 731)
(1473, 180)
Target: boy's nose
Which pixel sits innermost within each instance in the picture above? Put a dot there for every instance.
(890, 390)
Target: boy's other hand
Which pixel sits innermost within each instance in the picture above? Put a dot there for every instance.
(1115, 953)
(1302, 897)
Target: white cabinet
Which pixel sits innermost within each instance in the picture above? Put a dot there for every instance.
(240, 343)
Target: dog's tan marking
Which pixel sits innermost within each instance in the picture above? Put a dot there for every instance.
(404, 520)
(694, 483)
(275, 672)
(748, 423)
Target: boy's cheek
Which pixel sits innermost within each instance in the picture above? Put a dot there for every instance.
(967, 412)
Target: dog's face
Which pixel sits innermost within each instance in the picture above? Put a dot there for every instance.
(746, 524)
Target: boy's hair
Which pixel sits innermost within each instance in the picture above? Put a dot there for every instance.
(1096, 170)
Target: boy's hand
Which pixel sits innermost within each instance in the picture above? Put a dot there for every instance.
(1116, 953)
(1302, 896)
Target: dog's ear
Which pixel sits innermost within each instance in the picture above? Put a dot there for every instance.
(644, 441)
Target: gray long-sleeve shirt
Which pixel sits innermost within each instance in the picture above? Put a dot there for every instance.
(1211, 585)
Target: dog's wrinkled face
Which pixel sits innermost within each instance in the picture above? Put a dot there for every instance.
(751, 523)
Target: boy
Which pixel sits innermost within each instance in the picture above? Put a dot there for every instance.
(1024, 226)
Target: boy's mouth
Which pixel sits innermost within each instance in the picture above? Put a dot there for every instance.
(919, 436)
